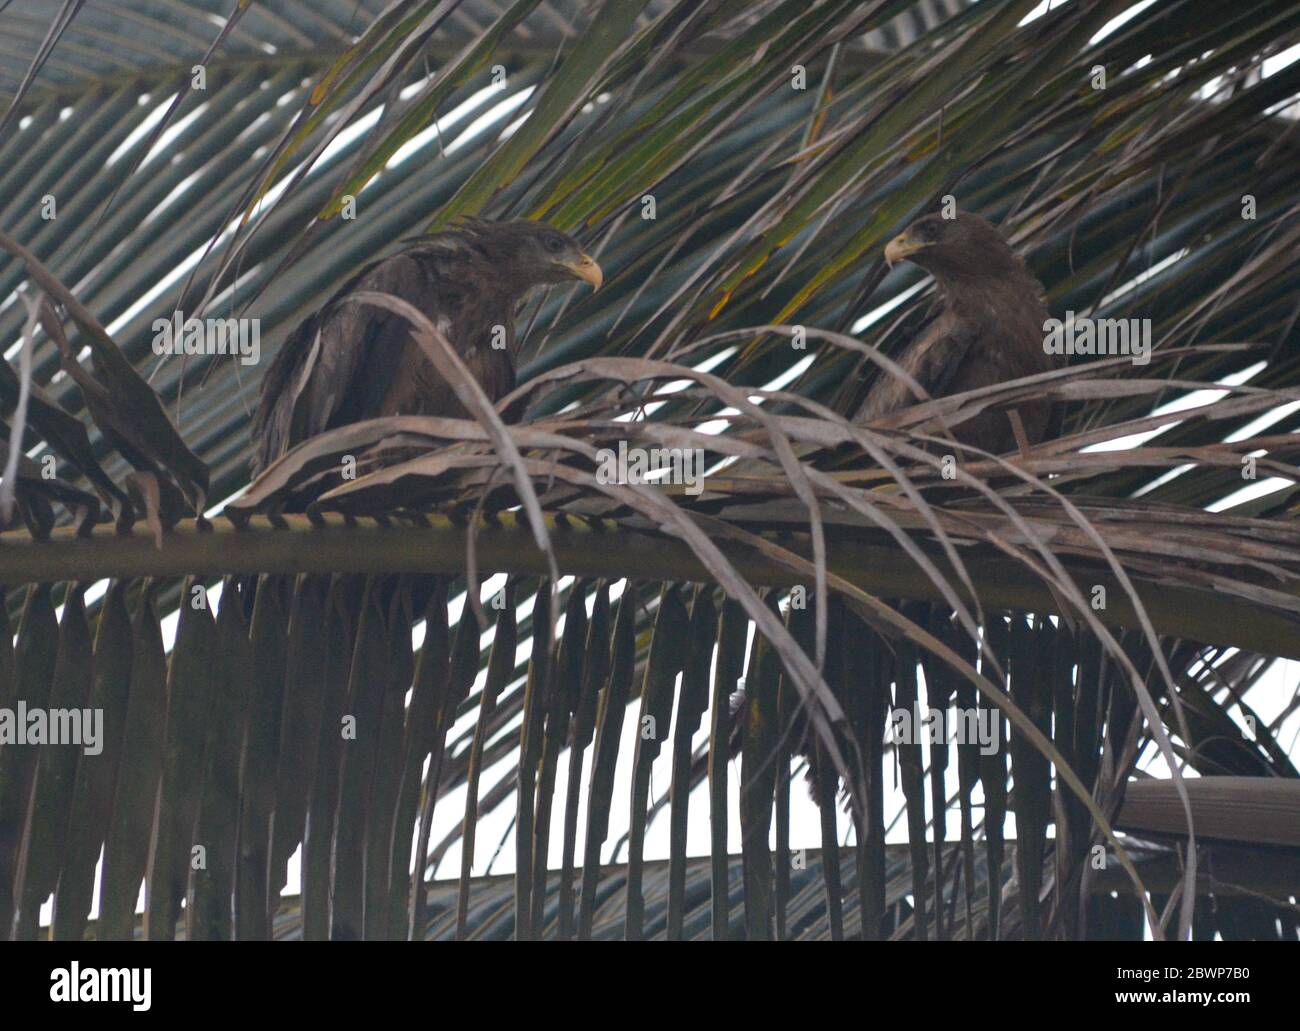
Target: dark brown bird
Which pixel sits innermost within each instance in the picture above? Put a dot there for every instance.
(990, 329)
(351, 361)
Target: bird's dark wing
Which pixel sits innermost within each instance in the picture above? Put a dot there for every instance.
(957, 355)
(361, 345)
(938, 362)
(339, 364)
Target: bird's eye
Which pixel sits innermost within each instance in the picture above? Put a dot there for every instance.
(554, 244)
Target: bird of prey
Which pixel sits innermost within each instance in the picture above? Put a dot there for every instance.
(990, 329)
(351, 360)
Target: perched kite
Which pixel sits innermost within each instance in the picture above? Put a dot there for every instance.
(990, 329)
(353, 360)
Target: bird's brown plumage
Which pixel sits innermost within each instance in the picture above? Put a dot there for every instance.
(990, 329)
(351, 361)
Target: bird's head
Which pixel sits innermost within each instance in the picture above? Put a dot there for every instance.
(535, 254)
(965, 245)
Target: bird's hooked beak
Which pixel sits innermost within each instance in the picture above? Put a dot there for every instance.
(899, 248)
(586, 269)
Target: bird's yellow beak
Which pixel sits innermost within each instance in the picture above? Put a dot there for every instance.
(899, 248)
(586, 269)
